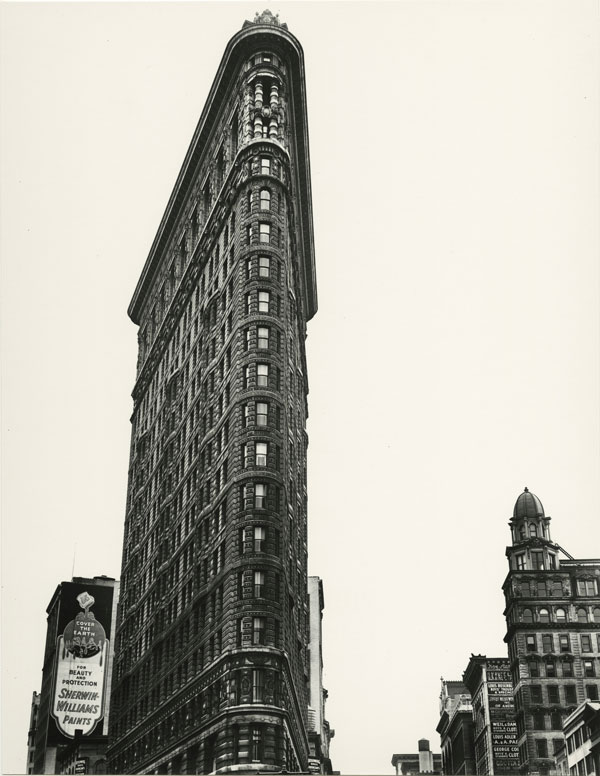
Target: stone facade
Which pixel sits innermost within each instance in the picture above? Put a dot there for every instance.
(211, 673)
(553, 634)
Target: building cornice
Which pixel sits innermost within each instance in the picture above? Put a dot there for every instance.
(249, 40)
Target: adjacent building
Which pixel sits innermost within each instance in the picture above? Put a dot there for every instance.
(494, 728)
(35, 707)
(319, 731)
(424, 761)
(581, 753)
(213, 668)
(553, 634)
(73, 705)
(456, 728)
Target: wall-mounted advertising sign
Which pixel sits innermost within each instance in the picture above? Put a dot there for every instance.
(81, 664)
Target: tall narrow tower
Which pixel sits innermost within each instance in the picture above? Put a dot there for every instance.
(553, 634)
(211, 674)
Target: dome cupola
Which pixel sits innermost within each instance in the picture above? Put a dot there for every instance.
(528, 505)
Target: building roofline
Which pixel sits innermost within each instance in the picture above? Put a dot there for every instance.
(251, 38)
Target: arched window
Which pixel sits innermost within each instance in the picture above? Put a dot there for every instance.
(582, 615)
(527, 615)
(561, 615)
(265, 199)
(532, 529)
(544, 615)
(596, 614)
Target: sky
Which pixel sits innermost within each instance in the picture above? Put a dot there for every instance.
(454, 358)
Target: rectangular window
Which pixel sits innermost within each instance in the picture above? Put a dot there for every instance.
(262, 375)
(260, 496)
(541, 746)
(536, 693)
(245, 415)
(259, 584)
(246, 455)
(264, 231)
(564, 643)
(557, 745)
(537, 561)
(539, 721)
(262, 413)
(265, 165)
(263, 337)
(520, 561)
(259, 538)
(588, 668)
(567, 669)
(247, 372)
(257, 685)
(264, 266)
(263, 301)
(591, 690)
(570, 693)
(550, 669)
(534, 670)
(530, 643)
(586, 642)
(547, 643)
(587, 587)
(553, 694)
(258, 630)
(261, 454)
(556, 720)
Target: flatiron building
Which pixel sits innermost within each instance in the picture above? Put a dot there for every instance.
(211, 671)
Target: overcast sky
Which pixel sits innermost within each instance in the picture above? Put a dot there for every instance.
(454, 358)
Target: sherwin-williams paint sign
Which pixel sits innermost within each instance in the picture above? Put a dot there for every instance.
(82, 655)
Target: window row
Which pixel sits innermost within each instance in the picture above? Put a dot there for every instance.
(549, 642)
(560, 694)
(550, 669)
(538, 560)
(559, 614)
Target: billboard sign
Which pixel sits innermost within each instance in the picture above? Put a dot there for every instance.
(81, 664)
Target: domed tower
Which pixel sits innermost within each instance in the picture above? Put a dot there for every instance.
(532, 548)
(553, 634)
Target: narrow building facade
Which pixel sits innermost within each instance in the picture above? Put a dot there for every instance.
(553, 634)
(72, 719)
(456, 728)
(212, 672)
(495, 731)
